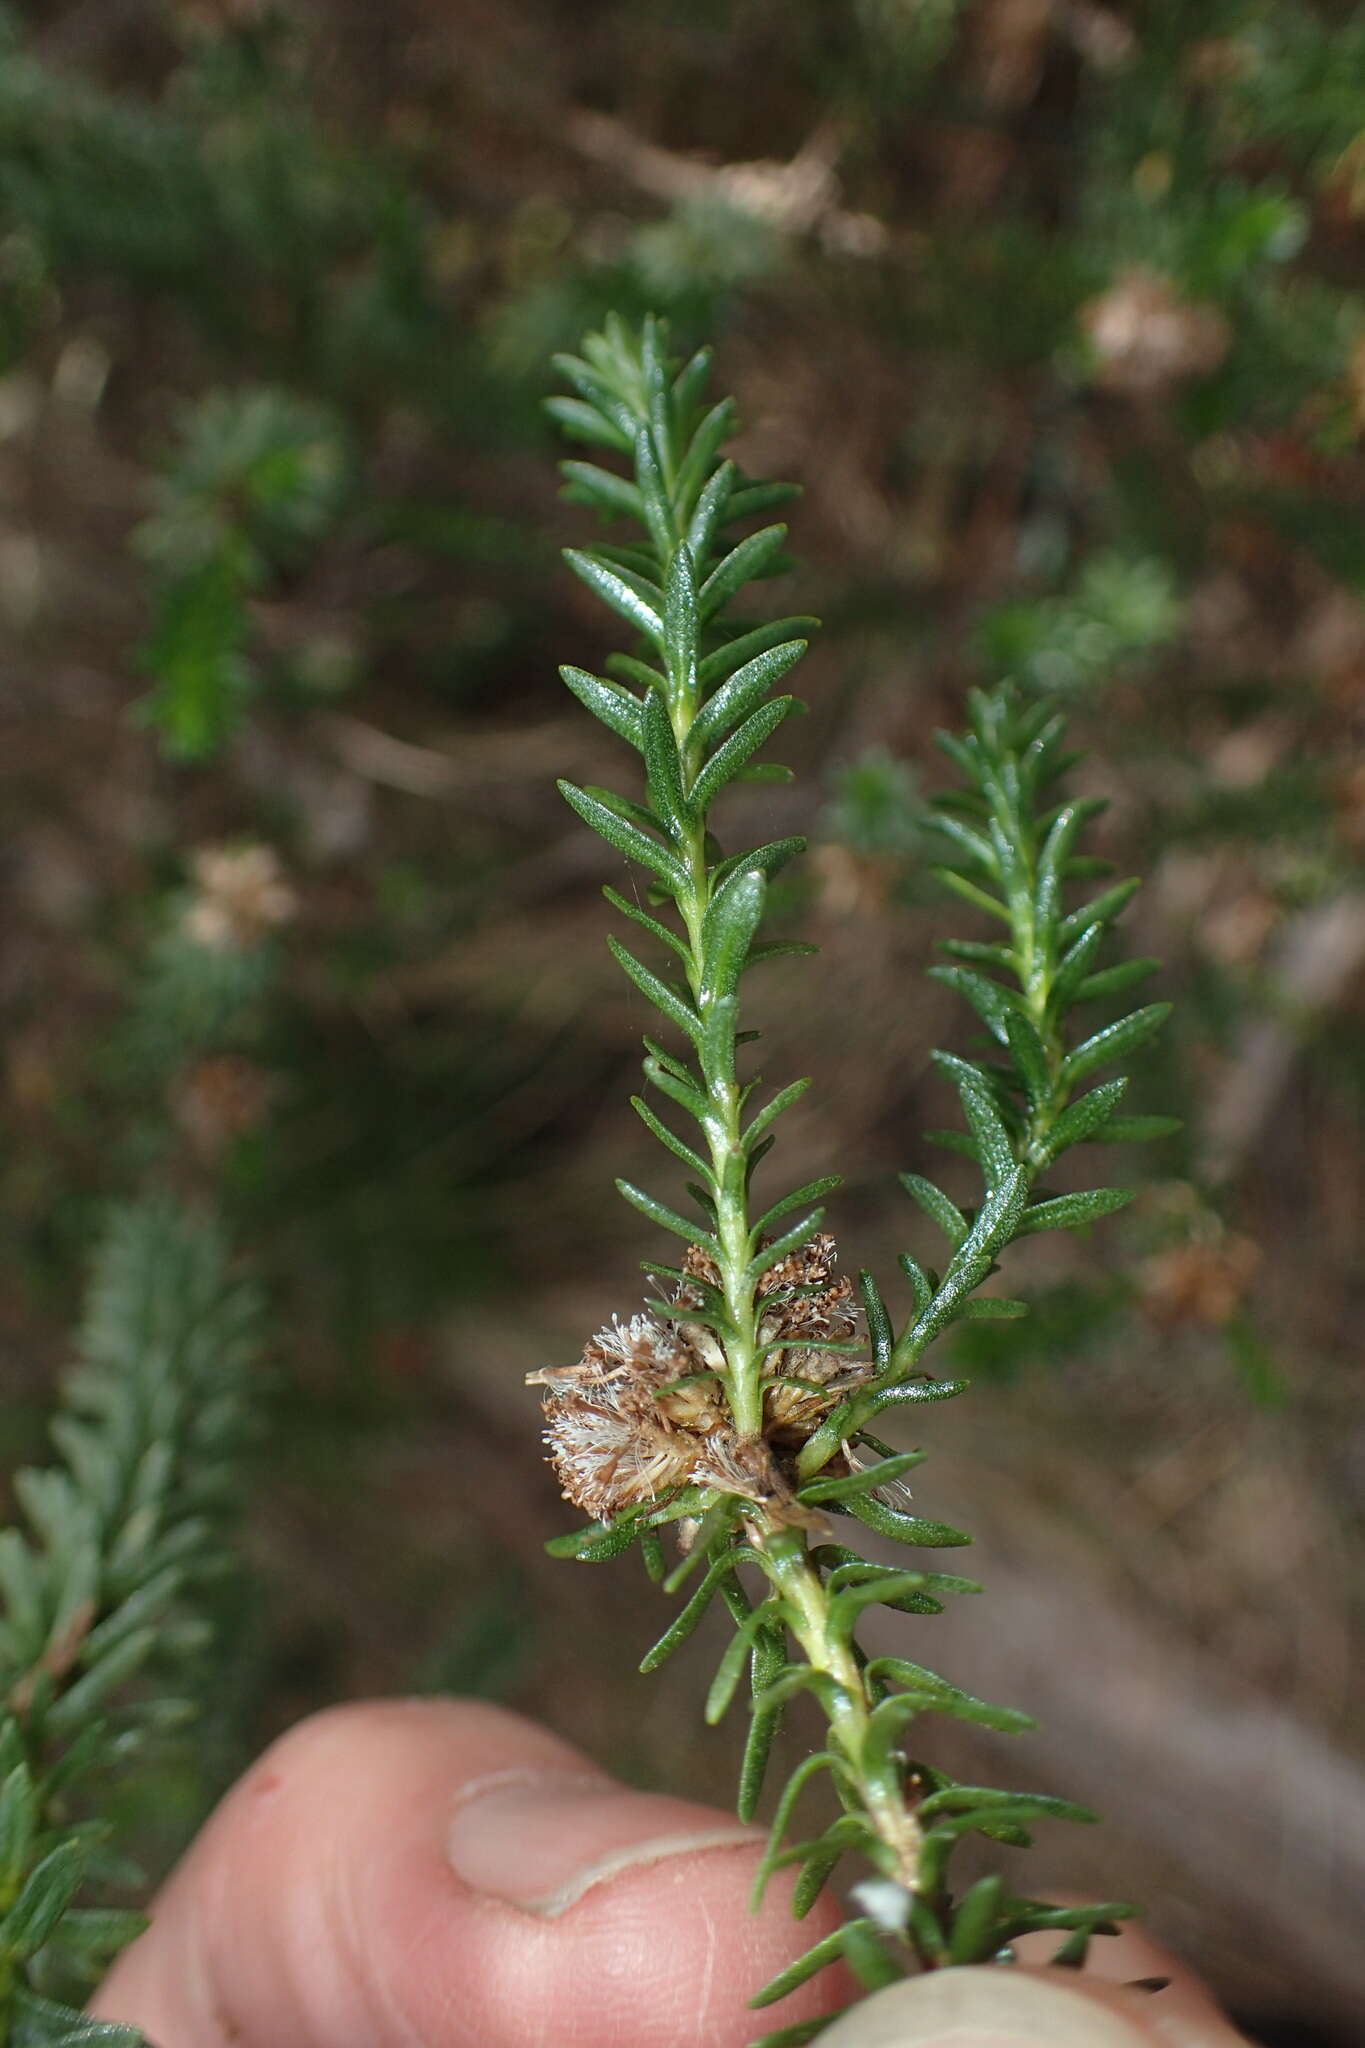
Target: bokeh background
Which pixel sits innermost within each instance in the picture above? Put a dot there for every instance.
(1056, 308)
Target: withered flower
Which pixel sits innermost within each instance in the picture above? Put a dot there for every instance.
(240, 896)
(1147, 338)
(644, 1412)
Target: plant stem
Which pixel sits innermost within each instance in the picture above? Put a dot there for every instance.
(786, 1560)
(738, 1283)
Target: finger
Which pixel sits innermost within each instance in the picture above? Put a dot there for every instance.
(990, 2007)
(426, 1874)
(1182, 2011)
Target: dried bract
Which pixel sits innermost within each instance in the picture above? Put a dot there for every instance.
(644, 1410)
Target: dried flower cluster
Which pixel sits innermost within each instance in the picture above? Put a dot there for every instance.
(240, 895)
(1147, 338)
(644, 1412)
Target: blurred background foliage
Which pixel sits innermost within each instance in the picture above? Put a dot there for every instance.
(1057, 309)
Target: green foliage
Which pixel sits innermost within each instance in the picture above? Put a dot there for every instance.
(694, 703)
(259, 478)
(103, 1639)
(1121, 609)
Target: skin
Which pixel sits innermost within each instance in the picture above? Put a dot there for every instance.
(437, 1874)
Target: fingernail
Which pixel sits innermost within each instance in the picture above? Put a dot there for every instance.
(541, 1839)
(989, 2007)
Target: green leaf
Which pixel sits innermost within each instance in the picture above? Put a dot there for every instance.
(603, 488)
(598, 395)
(638, 672)
(18, 1824)
(680, 626)
(993, 1003)
(768, 860)
(1030, 1057)
(79, 1701)
(783, 1100)
(818, 1958)
(730, 756)
(975, 1800)
(733, 1661)
(688, 1618)
(746, 688)
(879, 1329)
(670, 1139)
(941, 1697)
(615, 707)
(657, 992)
(712, 510)
(663, 769)
(811, 1192)
(1054, 858)
(971, 844)
(797, 1678)
(1115, 1042)
(791, 1241)
(585, 423)
(975, 1935)
(821, 1858)
(887, 1725)
(999, 957)
(44, 2023)
(593, 1544)
(627, 838)
(647, 923)
(1074, 967)
(719, 1042)
(936, 1206)
(653, 502)
(688, 387)
(1112, 981)
(912, 1529)
(969, 893)
(906, 1592)
(770, 1860)
(926, 1389)
(1084, 1119)
(994, 1146)
(1072, 1212)
(865, 1956)
(702, 450)
(749, 559)
(726, 659)
(1100, 910)
(618, 589)
(761, 497)
(850, 1484)
(732, 918)
(97, 1933)
(147, 1603)
(768, 1659)
(666, 1218)
(47, 1892)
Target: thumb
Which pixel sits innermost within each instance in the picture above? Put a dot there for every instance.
(990, 2007)
(449, 1875)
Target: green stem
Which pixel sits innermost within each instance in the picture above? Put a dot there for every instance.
(786, 1560)
(728, 1165)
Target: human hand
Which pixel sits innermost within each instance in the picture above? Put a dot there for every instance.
(432, 1874)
